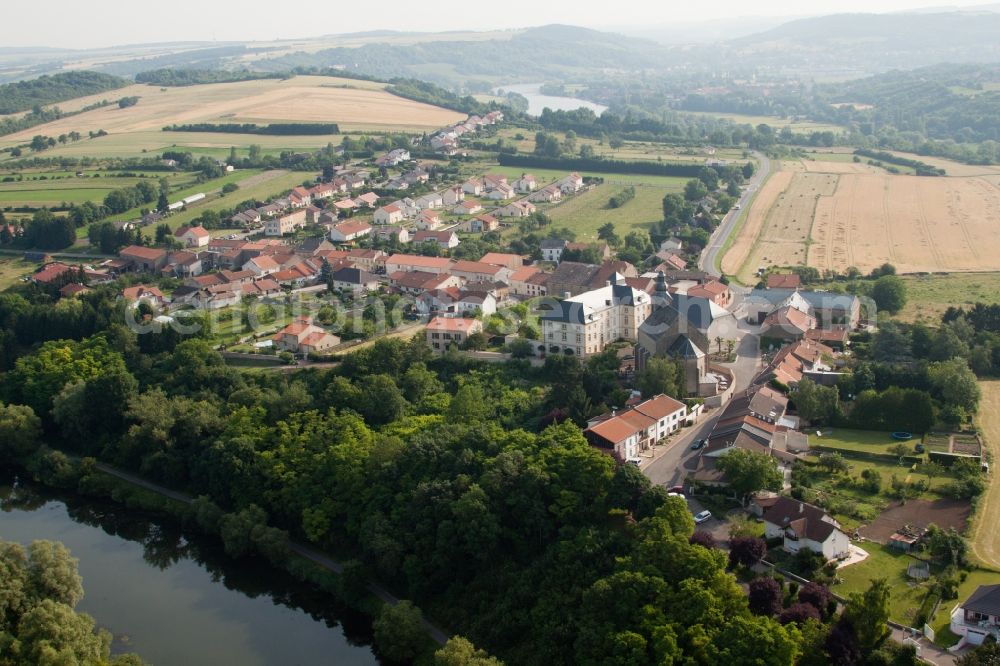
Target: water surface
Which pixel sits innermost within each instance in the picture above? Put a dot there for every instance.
(176, 598)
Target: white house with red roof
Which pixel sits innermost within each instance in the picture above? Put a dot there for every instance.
(347, 232)
(300, 197)
(452, 196)
(262, 265)
(443, 332)
(522, 208)
(467, 208)
(428, 220)
(526, 183)
(637, 428)
(571, 183)
(444, 239)
(304, 337)
(193, 236)
(390, 214)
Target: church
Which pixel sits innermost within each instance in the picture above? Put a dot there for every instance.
(685, 328)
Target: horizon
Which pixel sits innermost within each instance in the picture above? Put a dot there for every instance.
(216, 24)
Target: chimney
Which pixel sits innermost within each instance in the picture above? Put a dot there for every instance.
(802, 507)
(607, 283)
(566, 294)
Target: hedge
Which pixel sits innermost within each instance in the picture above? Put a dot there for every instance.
(948, 459)
(601, 166)
(279, 129)
(865, 455)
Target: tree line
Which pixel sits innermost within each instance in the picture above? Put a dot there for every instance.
(189, 77)
(49, 89)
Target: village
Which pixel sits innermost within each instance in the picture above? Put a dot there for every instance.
(388, 233)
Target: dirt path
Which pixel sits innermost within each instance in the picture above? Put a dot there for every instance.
(986, 533)
(436, 633)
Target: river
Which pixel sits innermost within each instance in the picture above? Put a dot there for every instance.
(537, 102)
(177, 599)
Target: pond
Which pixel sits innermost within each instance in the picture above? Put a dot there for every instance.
(176, 598)
(537, 102)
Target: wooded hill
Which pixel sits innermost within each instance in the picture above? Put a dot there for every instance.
(24, 95)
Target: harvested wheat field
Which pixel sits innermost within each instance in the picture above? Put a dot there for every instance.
(838, 218)
(352, 105)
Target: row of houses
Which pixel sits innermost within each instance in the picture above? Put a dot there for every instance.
(446, 140)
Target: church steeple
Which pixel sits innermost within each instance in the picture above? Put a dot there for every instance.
(661, 298)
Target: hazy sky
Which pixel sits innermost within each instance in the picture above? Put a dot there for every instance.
(71, 23)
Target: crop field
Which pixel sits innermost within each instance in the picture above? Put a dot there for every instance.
(833, 215)
(354, 105)
(58, 189)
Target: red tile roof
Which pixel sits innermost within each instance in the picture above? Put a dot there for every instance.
(51, 272)
(783, 281)
(454, 324)
(146, 253)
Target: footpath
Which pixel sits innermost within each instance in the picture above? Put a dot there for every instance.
(439, 635)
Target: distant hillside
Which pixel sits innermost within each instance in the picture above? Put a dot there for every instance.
(23, 95)
(546, 52)
(957, 102)
(877, 42)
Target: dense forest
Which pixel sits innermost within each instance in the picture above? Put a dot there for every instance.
(25, 95)
(429, 93)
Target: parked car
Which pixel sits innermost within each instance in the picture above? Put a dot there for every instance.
(634, 461)
(675, 495)
(698, 443)
(676, 489)
(702, 517)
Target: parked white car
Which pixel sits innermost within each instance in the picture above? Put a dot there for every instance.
(702, 517)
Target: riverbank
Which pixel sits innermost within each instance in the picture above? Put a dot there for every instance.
(173, 596)
(343, 579)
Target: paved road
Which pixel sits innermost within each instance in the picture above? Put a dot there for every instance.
(668, 468)
(709, 255)
(436, 633)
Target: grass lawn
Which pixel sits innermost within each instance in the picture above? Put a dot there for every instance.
(928, 296)
(905, 596)
(902, 472)
(59, 189)
(586, 212)
(870, 441)
(13, 268)
(773, 121)
(942, 619)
